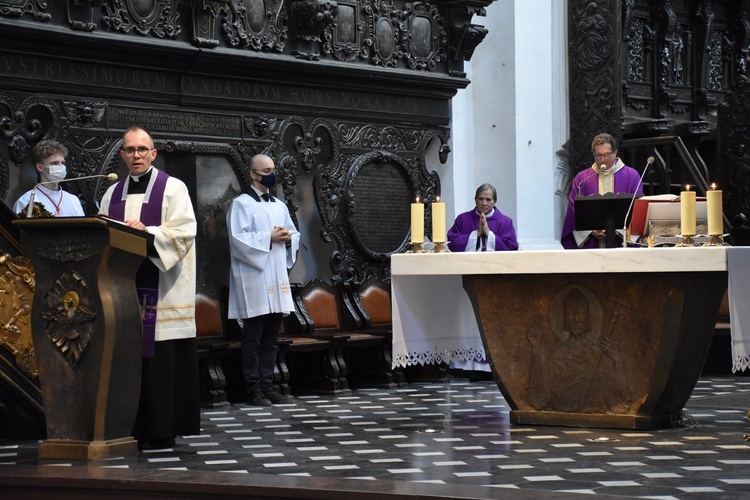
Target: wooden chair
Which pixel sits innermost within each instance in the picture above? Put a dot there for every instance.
(315, 365)
(209, 333)
(323, 304)
(371, 299)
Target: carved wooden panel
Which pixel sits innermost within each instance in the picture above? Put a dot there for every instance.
(594, 73)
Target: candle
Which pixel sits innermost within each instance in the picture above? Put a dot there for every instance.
(417, 221)
(687, 212)
(715, 211)
(438, 221)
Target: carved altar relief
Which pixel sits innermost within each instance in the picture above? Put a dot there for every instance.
(584, 370)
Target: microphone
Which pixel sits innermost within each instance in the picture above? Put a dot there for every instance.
(30, 209)
(632, 201)
(596, 172)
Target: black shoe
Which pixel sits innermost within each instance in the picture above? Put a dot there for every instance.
(275, 397)
(256, 398)
(155, 444)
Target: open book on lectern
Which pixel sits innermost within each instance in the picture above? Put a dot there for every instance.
(662, 210)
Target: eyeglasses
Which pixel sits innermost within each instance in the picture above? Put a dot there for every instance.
(604, 156)
(142, 150)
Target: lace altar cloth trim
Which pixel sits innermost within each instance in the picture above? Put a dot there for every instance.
(438, 356)
(738, 259)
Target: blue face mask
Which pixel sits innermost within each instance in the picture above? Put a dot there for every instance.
(267, 180)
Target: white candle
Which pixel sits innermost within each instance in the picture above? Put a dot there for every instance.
(417, 221)
(687, 212)
(715, 211)
(438, 221)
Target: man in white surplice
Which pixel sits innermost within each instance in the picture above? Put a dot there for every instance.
(150, 200)
(263, 245)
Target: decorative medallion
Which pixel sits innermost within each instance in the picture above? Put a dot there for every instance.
(69, 319)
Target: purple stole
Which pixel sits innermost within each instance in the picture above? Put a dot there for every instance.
(147, 278)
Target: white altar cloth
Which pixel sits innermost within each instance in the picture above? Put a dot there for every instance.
(433, 320)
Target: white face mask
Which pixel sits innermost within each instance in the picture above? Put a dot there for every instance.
(57, 173)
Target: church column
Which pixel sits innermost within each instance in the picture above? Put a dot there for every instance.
(519, 122)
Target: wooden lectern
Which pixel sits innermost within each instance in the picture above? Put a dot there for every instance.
(603, 211)
(86, 326)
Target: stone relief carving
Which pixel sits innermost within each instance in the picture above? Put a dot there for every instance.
(34, 8)
(424, 38)
(419, 36)
(311, 18)
(81, 14)
(205, 14)
(256, 24)
(384, 22)
(464, 36)
(36, 118)
(584, 360)
(157, 17)
(343, 39)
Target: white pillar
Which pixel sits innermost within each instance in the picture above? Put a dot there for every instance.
(519, 118)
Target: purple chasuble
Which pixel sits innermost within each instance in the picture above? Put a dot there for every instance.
(587, 183)
(147, 278)
(468, 222)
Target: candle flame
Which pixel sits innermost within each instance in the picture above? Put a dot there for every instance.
(713, 185)
(416, 200)
(437, 199)
(687, 187)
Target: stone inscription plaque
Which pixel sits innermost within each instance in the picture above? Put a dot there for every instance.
(85, 74)
(379, 216)
(328, 98)
(174, 121)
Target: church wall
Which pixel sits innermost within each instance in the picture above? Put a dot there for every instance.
(351, 99)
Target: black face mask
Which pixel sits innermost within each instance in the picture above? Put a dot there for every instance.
(267, 180)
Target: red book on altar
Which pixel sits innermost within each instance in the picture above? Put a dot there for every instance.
(666, 208)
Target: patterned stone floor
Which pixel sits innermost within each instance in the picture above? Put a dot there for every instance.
(456, 434)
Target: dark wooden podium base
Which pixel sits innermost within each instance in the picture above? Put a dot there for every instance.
(83, 450)
(565, 419)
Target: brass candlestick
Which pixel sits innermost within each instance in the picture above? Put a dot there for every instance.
(416, 248)
(687, 241)
(716, 240)
(440, 247)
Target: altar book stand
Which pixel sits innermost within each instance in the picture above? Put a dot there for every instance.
(86, 328)
(602, 211)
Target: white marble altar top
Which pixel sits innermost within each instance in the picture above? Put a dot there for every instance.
(610, 260)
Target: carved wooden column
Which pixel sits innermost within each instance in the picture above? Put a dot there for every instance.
(594, 38)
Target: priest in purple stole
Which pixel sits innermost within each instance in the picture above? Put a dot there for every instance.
(608, 174)
(483, 229)
(152, 201)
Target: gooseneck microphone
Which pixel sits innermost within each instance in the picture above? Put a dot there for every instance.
(596, 172)
(632, 201)
(30, 209)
